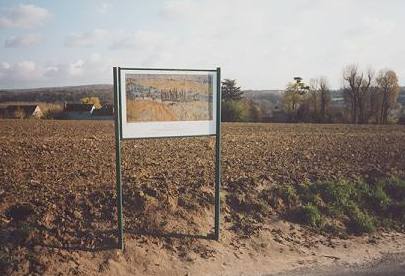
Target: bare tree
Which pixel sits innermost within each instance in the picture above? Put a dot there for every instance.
(364, 96)
(351, 89)
(314, 95)
(388, 88)
(374, 104)
(357, 92)
(319, 97)
(324, 97)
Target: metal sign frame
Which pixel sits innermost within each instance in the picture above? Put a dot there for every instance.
(119, 139)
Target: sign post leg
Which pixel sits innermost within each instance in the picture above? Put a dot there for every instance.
(218, 158)
(117, 108)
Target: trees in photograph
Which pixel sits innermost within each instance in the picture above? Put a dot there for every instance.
(91, 100)
(19, 113)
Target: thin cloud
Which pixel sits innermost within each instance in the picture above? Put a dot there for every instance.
(22, 41)
(104, 7)
(23, 16)
(28, 73)
(86, 39)
(24, 71)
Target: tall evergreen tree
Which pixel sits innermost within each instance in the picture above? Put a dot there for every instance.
(230, 91)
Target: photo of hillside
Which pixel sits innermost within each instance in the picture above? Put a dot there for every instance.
(168, 97)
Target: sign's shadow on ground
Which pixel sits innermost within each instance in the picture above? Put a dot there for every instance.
(162, 234)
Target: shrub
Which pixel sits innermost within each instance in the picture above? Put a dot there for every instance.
(288, 194)
(336, 192)
(310, 215)
(396, 210)
(379, 198)
(242, 110)
(395, 188)
(234, 111)
(360, 222)
(333, 195)
(358, 205)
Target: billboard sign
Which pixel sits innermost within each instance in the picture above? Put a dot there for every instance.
(152, 103)
(167, 102)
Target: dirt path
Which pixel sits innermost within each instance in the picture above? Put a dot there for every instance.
(258, 256)
(351, 257)
(357, 255)
(390, 264)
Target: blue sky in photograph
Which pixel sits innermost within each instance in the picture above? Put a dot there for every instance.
(262, 44)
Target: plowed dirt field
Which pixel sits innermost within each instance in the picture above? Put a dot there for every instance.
(57, 188)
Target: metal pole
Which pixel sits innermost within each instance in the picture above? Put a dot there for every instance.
(117, 112)
(218, 158)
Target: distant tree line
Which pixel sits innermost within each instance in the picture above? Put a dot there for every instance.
(58, 94)
(236, 108)
(369, 97)
(366, 97)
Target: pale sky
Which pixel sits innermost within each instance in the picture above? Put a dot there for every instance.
(262, 44)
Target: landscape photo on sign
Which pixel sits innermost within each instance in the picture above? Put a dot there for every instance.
(169, 97)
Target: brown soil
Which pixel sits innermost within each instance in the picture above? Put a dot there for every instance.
(57, 196)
